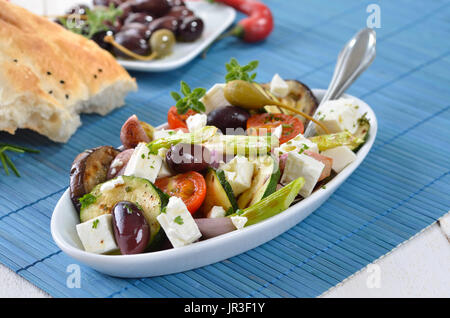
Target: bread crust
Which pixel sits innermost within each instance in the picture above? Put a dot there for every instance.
(48, 75)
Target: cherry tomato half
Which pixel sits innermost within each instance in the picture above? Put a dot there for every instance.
(189, 187)
(292, 126)
(177, 120)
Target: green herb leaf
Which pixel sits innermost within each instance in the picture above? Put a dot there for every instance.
(6, 161)
(87, 200)
(95, 223)
(191, 99)
(179, 220)
(238, 72)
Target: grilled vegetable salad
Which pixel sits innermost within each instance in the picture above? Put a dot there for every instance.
(216, 167)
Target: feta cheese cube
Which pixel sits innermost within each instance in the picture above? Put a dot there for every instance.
(339, 115)
(178, 223)
(142, 164)
(215, 98)
(216, 212)
(297, 144)
(342, 156)
(239, 221)
(97, 235)
(196, 122)
(301, 165)
(279, 87)
(239, 173)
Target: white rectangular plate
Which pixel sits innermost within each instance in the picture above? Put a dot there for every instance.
(65, 218)
(216, 17)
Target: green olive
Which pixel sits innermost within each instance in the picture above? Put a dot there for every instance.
(246, 95)
(162, 42)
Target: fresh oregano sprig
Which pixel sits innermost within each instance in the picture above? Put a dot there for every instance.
(191, 99)
(7, 162)
(238, 72)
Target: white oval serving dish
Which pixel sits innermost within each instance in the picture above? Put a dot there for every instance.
(65, 218)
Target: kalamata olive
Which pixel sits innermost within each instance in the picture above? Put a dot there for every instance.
(162, 42)
(167, 22)
(133, 40)
(186, 157)
(190, 29)
(98, 38)
(139, 17)
(142, 29)
(176, 3)
(156, 8)
(231, 117)
(131, 230)
(106, 3)
(180, 12)
(126, 8)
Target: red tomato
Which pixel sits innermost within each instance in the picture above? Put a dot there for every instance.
(177, 120)
(292, 126)
(189, 187)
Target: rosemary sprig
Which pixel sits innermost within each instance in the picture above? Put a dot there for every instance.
(7, 162)
(191, 99)
(238, 72)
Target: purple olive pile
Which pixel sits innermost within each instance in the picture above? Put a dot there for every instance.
(133, 27)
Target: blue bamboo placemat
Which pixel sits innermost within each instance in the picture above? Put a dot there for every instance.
(402, 187)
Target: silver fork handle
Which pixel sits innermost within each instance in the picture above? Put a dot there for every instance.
(354, 59)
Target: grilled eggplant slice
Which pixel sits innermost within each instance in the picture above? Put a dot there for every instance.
(299, 97)
(89, 169)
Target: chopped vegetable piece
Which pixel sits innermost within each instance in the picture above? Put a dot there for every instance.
(262, 124)
(344, 138)
(189, 186)
(176, 120)
(196, 137)
(273, 204)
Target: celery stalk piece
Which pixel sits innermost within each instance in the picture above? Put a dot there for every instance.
(250, 146)
(273, 204)
(344, 138)
(196, 137)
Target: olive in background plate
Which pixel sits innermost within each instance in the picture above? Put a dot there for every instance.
(131, 230)
(186, 157)
(98, 38)
(139, 17)
(190, 29)
(156, 8)
(180, 12)
(133, 40)
(232, 117)
(167, 22)
(176, 3)
(142, 29)
(106, 3)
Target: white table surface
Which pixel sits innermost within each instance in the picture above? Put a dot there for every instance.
(419, 267)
